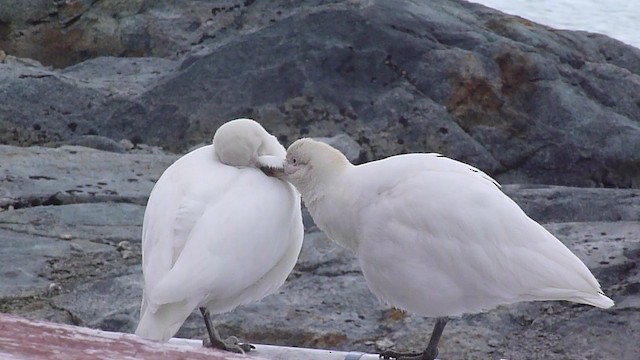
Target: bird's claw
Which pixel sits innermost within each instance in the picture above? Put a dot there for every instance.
(233, 341)
(246, 347)
(231, 344)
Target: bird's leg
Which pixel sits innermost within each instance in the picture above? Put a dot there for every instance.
(215, 341)
(429, 353)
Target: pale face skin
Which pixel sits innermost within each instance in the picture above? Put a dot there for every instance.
(293, 166)
(309, 163)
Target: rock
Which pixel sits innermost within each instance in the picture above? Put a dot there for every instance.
(41, 176)
(108, 302)
(94, 142)
(526, 103)
(65, 236)
(123, 245)
(25, 255)
(53, 289)
(13, 60)
(58, 103)
(127, 144)
(508, 93)
(121, 77)
(384, 344)
(125, 249)
(78, 221)
(62, 33)
(556, 204)
(343, 142)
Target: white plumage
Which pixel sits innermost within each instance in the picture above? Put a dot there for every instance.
(217, 231)
(435, 236)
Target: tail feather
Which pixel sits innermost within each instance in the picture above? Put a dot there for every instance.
(597, 300)
(165, 322)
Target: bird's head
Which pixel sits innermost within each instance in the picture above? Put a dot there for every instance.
(245, 143)
(309, 163)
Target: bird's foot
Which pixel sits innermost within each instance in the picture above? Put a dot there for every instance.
(393, 355)
(231, 344)
(429, 353)
(390, 355)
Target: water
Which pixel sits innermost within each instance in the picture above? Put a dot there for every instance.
(619, 19)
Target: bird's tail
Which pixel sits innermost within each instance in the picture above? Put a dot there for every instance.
(165, 322)
(597, 300)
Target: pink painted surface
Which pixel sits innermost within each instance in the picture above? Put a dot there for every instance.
(22, 339)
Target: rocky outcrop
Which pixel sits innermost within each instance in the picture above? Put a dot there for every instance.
(71, 225)
(522, 101)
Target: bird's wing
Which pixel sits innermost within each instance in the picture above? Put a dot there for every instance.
(176, 202)
(235, 242)
(435, 223)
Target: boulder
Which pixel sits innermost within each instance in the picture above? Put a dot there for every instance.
(524, 102)
(45, 176)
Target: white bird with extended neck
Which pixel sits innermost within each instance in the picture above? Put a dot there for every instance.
(435, 236)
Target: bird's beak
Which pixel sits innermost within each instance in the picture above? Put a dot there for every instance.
(273, 171)
(271, 165)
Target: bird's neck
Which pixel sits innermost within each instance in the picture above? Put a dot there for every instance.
(324, 181)
(329, 208)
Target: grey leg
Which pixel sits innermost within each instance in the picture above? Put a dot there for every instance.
(429, 353)
(215, 341)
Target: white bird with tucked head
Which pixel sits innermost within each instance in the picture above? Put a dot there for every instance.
(435, 236)
(217, 232)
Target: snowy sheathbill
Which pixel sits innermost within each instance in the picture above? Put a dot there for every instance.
(218, 232)
(435, 236)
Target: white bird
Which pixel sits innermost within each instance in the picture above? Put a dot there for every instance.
(435, 236)
(217, 232)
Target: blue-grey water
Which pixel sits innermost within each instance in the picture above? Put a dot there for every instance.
(619, 19)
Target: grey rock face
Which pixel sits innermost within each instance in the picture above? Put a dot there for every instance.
(343, 142)
(547, 204)
(33, 176)
(526, 103)
(42, 106)
(77, 260)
